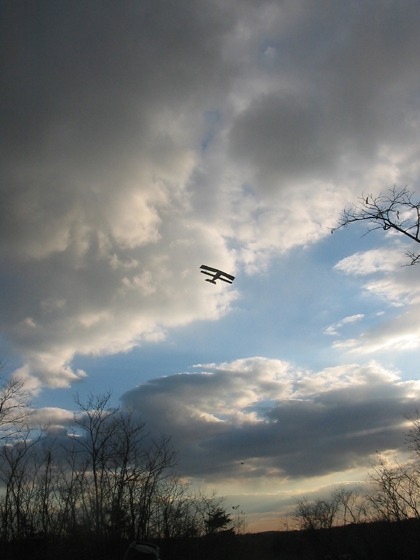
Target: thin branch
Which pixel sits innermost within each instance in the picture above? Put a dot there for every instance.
(394, 210)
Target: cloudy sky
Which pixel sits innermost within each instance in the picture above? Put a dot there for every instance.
(144, 138)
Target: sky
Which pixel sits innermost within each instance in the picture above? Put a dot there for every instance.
(142, 139)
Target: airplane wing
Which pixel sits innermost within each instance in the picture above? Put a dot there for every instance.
(216, 274)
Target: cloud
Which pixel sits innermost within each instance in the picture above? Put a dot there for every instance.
(387, 282)
(52, 419)
(145, 139)
(324, 111)
(99, 229)
(370, 262)
(255, 418)
(396, 334)
(332, 330)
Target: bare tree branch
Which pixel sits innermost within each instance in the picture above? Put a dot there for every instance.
(14, 407)
(394, 210)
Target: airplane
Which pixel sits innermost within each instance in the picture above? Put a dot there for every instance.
(216, 274)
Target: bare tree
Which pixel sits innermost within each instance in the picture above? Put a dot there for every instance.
(148, 474)
(175, 510)
(395, 210)
(71, 485)
(351, 505)
(16, 474)
(47, 506)
(396, 491)
(343, 506)
(107, 478)
(14, 436)
(14, 407)
(319, 514)
(239, 523)
(122, 469)
(127, 452)
(99, 425)
(413, 436)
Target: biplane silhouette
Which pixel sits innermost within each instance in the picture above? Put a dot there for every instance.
(216, 274)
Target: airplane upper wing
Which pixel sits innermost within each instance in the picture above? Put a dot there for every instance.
(216, 274)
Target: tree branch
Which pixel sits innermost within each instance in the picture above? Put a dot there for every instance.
(393, 210)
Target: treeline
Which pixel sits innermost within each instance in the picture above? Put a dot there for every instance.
(105, 478)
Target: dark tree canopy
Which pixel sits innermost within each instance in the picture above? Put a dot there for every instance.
(395, 210)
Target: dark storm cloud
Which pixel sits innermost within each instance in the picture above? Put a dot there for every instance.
(256, 418)
(347, 90)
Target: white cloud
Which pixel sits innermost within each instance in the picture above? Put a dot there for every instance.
(373, 261)
(396, 335)
(351, 319)
(389, 284)
(333, 330)
(51, 419)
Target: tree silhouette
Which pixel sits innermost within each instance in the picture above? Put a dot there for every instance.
(14, 407)
(394, 210)
(217, 520)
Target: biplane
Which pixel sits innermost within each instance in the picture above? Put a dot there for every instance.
(216, 274)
